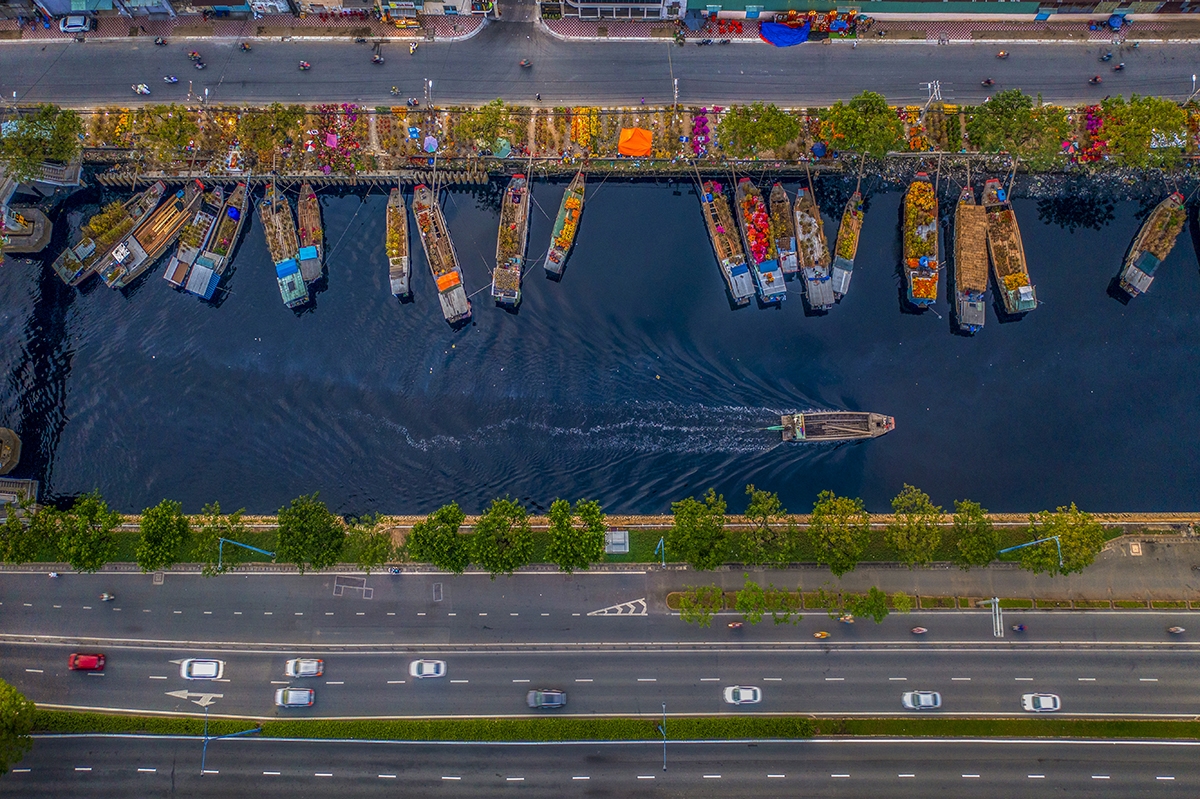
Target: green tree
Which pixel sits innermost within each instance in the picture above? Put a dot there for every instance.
(1145, 131)
(769, 539)
(370, 542)
(167, 130)
(978, 540)
(264, 129)
(436, 540)
(916, 531)
(86, 533)
(503, 541)
(865, 125)
(483, 125)
(827, 601)
(1080, 535)
(25, 529)
(902, 602)
(699, 535)
(310, 537)
(165, 533)
(745, 130)
(1013, 122)
(16, 724)
(841, 529)
(47, 134)
(782, 605)
(207, 540)
(698, 604)
(576, 537)
(871, 605)
(751, 601)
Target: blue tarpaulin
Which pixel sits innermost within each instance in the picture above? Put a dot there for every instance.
(781, 35)
(819, 149)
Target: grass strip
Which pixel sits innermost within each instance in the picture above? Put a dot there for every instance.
(622, 729)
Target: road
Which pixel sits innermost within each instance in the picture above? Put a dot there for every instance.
(129, 766)
(603, 73)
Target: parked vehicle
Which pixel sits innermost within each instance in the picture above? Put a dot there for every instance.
(76, 23)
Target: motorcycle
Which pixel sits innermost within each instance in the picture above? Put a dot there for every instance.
(395, 92)
(376, 59)
(304, 65)
(987, 82)
(821, 634)
(919, 631)
(1018, 628)
(194, 55)
(847, 619)
(413, 102)
(245, 48)
(200, 65)
(107, 597)
(1096, 81)
(170, 79)
(412, 48)
(734, 625)
(1003, 54)
(360, 40)
(1119, 68)
(704, 42)
(160, 42)
(724, 41)
(394, 570)
(140, 88)
(1107, 56)
(526, 63)
(52, 575)
(1175, 630)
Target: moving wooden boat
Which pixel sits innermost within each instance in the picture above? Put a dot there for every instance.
(138, 251)
(726, 244)
(1152, 244)
(194, 237)
(847, 245)
(76, 263)
(813, 252)
(566, 226)
(511, 242)
(396, 243)
(440, 253)
(921, 267)
(756, 236)
(312, 234)
(1007, 251)
(970, 262)
(283, 244)
(834, 425)
(783, 230)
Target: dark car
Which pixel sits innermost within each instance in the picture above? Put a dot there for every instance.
(79, 661)
(546, 698)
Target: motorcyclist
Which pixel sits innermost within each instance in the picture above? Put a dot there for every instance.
(1175, 630)
(160, 41)
(1018, 628)
(1096, 80)
(919, 631)
(244, 47)
(412, 47)
(377, 59)
(304, 65)
(200, 65)
(1119, 67)
(395, 92)
(987, 82)
(194, 55)
(525, 62)
(1002, 54)
(735, 625)
(107, 597)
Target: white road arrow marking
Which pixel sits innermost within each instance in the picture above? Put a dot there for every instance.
(635, 608)
(201, 699)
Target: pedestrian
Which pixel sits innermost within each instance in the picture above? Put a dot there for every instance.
(643, 101)
(539, 97)
(141, 28)
(854, 45)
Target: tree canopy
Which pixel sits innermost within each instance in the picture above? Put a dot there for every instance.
(213, 527)
(369, 542)
(1081, 537)
(483, 125)
(698, 604)
(977, 539)
(47, 134)
(16, 724)
(748, 129)
(916, 531)
(310, 537)
(699, 536)
(165, 533)
(841, 530)
(436, 540)
(871, 605)
(25, 529)
(167, 130)
(576, 537)
(865, 125)
(769, 539)
(1144, 131)
(264, 129)
(503, 541)
(85, 533)
(1013, 122)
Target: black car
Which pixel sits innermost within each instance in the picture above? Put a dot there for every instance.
(546, 698)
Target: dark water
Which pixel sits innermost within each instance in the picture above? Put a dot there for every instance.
(631, 381)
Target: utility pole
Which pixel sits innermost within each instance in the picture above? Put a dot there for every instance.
(663, 729)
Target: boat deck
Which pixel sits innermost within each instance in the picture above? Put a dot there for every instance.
(396, 243)
(834, 425)
(279, 227)
(225, 237)
(157, 233)
(811, 245)
(783, 229)
(970, 248)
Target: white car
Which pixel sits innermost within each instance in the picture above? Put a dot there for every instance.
(294, 697)
(1041, 703)
(75, 23)
(743, 695)
(305, 667)
(201, 669)
(427, 668)
(921, 700)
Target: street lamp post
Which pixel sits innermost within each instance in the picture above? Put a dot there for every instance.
(662, 728)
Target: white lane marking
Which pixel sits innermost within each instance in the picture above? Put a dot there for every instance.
(527, 680)
(419, 614)
(960, 679)
(545, 614)
(1100, 777)
(452, 778)
(145, 610)
(712, 776)
(835, 679)
(89, 607)
(210, 771)
(906, 775)
(83, 768)
(329, 613)
(1037, 776)
(179, 613)
(640, 776)
(514, 779)
(20, 771)
(451, 614)
(581, 778)
(323, 774)
(647, 679)
(298, 613)
(390, 777)
(1023, 679)
(581, 680)
(460, 681)
(335, 682)
(58, 606)
(1087, 679)
(237, 613)
(270, 773)
(897, 679)
(35, 671)
(393, 614)
(776, 776)
(95, 674)
(360, 614)
(28, 604)
(772, 679)
(268, 613)
(970, 776)
(514, 614)
(840, 776)
(482, 614)
(710, 679)
(147, 770)
(279, 682)
(1147, 679)
(1164, 778)
(157, 677)
(208, 613)
(395, 682)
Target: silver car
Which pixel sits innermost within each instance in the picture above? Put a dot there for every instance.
(743, 695)
(427, 668)
(1041, 703)
(546, 698)
(921, 700)
(201, 669)
(294, 697)
(305, 667)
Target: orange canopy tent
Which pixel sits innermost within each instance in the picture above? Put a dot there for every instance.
(635, 142)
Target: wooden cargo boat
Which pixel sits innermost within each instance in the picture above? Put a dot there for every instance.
(834, 425)
(511, 242)
(756, 237)
(783, 230)
(566, 226)
(76, 263)
(138, 251)
(194, 238)
(921, 268)
(1007, 251)
(1152, 244)
(813, 251)
(283, 244)
(396, 243)
(312, 234)
(210, 266)
(970, 262)
(725, 242)
(10, 450)
(440, 253)
(847, 245)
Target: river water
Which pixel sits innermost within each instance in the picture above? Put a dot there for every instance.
(631, 381)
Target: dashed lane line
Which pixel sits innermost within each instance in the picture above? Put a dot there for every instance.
(452, 778)
(460, 681)
(1164, 778)
(35, 671)
(147, 770)
(1101, 777)
(1023, 679)
(1037, 776)
(897, 679)
(581, 778)
(970, 776)
(21, 771)
(776, 776)
(83, 768)
(645, 776)
(528, 681)
(840, 776)
(210, 771)
(907, 776)
(835, 679)
(395, 682)
(323, 774)
(335, 682)
(157, 677)
(960, 679)
(712, 776)
(1087, 679)
(647, 679)
(1147, 679)
(270, 773)
(387, 776)
(514, 779)
(583, 680)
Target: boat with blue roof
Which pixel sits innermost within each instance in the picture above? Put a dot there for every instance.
(756, 236)
(312, 234)
(725, 242)
(1152, 244)
(283, 244)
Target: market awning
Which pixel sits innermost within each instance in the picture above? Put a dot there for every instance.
(784, 35)
(692, 19)
(636, 142)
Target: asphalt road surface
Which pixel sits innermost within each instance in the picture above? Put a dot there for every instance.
(146, 767)
(486, 67)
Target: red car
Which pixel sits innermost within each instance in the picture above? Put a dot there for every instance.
(83, 662)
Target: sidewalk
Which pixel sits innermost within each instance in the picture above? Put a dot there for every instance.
(442, 28)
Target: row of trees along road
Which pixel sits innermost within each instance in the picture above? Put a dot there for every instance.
(308, 536)
(698, 604)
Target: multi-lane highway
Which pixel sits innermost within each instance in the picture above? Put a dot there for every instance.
(598, 73)
(126, 766)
